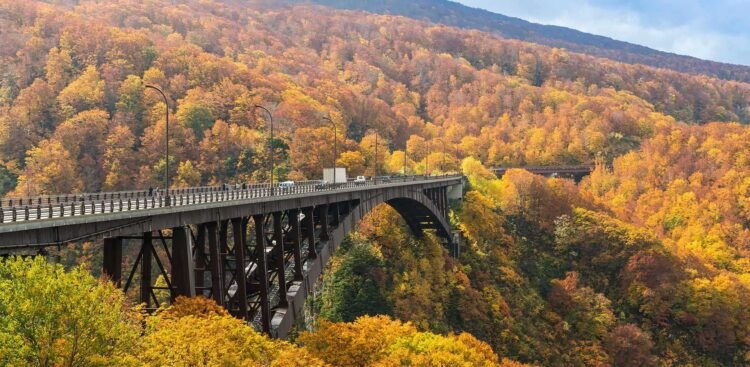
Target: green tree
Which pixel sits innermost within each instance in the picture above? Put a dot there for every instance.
(195, 116)
(130, 106)
(356, 286)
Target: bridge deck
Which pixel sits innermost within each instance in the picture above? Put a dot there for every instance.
(124, 209)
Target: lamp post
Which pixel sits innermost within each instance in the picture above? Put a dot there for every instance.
(270, 143)
(335, 154)
(427, 160)
(376, 156)
(405, 158)
(442, 164)
(166, 144)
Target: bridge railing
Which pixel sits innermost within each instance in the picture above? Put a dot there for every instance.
(67, 198)
(61, 206)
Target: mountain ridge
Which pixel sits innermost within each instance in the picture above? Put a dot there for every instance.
(458, 15)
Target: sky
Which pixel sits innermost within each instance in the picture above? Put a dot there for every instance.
(716, 30)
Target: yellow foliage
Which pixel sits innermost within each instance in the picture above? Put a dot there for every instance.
(197, 332)
(360, 343)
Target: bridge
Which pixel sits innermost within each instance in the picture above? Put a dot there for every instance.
(256, 250)
(576, 173)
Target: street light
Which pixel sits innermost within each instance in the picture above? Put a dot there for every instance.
(427, 160)
(405, 158)
(166, 144)
(376, 156)
(270, 143)
(335, 155)
(442, 164)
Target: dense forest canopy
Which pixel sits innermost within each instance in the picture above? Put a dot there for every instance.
(73, 73)
(646, 261)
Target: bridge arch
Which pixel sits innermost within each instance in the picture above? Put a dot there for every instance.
(420, 211)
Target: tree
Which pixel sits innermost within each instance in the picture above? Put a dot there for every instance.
(311, 150)
(84, 93)
(198, 332)
(50, 169)
(354, 162)
(588, 313)
(356, 286)
(627, 345)
(195, 116)
(187, 175)
(119, 162)
(59, 68)
(8, 179)
(427, 349)
(92, 128)
(130, 105)
(30, 119)
(52, 317)
(356, 344)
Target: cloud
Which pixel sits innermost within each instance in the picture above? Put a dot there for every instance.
(711, 30)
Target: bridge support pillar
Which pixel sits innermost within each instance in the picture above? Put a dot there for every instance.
(146, 276)
(217, 271)
(295, 240)
(308, 226)
(280, 264)
(201, 261)
(239, 231)
(113, 259)
(334, 208)
(183, 271)
(323, 219)
(262, 271)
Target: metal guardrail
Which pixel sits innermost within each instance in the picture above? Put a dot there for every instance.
(74, 205)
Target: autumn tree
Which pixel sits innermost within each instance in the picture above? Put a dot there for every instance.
(59, 68)
(91, 128)
(360, 343)
(50, 169)
(196, 331)
(50, 316)
(84, 93)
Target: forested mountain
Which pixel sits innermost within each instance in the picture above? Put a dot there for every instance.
(73, 73)
(454, 14)
(646, 260)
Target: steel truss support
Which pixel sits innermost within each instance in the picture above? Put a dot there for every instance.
(279, 265)
(147, 250)
(261, 273)
(217, 259)
(182, 266)
(215, 263)
(294, 240)
(201, 260)
(239, 230)
(113, 259)
(308, 229)
(322, 218)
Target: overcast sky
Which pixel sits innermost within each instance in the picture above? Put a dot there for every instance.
(709, 29)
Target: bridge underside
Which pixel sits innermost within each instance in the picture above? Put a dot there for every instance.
(258, 260)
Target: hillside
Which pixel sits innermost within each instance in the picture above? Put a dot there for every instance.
(647, 260)
(457, 15)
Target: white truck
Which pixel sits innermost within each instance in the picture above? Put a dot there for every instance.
(328, 175)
